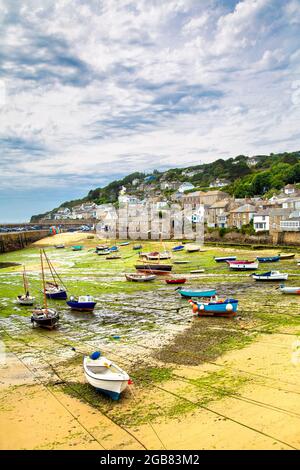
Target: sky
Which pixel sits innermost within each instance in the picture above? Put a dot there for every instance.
(92, 90)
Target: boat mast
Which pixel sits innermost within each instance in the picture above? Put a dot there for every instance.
(25, 283)
(53, 270)
(44, 286)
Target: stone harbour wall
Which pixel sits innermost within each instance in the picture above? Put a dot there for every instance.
(17, 240)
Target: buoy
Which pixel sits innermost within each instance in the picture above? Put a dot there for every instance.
(229, 307)
(195, 308)
(95, 355)
(201, 307)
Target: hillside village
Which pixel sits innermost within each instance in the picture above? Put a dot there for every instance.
(275, 212)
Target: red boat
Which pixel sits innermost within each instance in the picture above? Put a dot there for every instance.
(176, 281)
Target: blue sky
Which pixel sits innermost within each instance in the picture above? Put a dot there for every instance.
(93, 90)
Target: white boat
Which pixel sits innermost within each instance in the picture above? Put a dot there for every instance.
(271, 276)
(243, 265)
(140, 277)
(25, 299)
(191, 248)
(290, 290)
(105, 375)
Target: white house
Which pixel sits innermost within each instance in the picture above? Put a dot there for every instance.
(186, 186)
(289, 189)
(261, 221)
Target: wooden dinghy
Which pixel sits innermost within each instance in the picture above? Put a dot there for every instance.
(286, 255)
(155, 255)
(215, 307)
(140, 277)
(104, 375)
(45, 317)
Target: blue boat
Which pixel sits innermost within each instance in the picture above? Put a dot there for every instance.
(58, 293)
(196, 293)
(268, 259)
(178, 248)
(224, 259)
(114, 248)
(216, 307)
(85, 303)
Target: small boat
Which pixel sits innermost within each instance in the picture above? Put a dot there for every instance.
(181, 280)
(124, 243)
(154, 268)
(155, 255)
(140, 277)
(113, 257)
(243, 265)
(270, 276)
(216, 307)
(181, 262)
(289, 290)
(196, 293)
(45, 317)
(102, 247)
(224, 259)
(192, 248)
(178, 248)
(59, 246)
(103, 252)
(113, 248)
(268, 259)
(77, 247)
(84, 303)
(55, 291)
(104, 375)
(286, 255)
(26, 298)
(137, 247)
(197, 271)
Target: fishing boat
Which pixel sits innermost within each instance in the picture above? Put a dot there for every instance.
(26, 298)
(243, 265)
(59, 246)
(84, 303)
(289, 290)
(192, 248)
(224, 259)
(103, 253)
(137, 247)
(215, 307)
(104, 375)
(154, 268)
(178, 248)
(44, 317)
(286, 255)
(268, 259)
(270, 276)
(53, 289)
(196, 293)
(140, 277)
(77, 247)
(113, 257)
(180, 280)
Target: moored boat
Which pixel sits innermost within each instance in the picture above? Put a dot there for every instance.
(55, 291)
(84, 303)
(59, 246)
(113, 257)
(268, 259)
(224, 259)
(77, 247)
(104, 375)
(191, 248)
(26, 298)
(114, 248)
(289, 290)
(155, 255)
(137, 247)
(286, 255)
(180, 280)
(178, 248)
(45, 317)
(140, 277)
(124, 243)
(215, 307)
(154, 268)
(270, 276)
(102, 247)
(103, 252)
(196, 293)
(243, 265)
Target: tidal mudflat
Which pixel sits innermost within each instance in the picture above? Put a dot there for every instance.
(196, 381)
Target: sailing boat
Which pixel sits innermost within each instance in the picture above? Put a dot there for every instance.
(43, 316)
(26, 298)
(53, 289)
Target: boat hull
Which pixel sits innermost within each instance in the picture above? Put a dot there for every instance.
(290, 290)
(189, 293)
(141, 278)
(111, 387)
(61, 295)
(176, 281)
(270, 259)
(25, 301)
(82, 306)
(218, 309)
(224, 259)
(45, 319)
(270, 278)
(243, 266)
(178, 248)
(287, 256)
(154, 267)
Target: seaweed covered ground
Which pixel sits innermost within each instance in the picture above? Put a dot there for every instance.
(183, 367)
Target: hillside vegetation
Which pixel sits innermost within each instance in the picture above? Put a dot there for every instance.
(268, 175)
